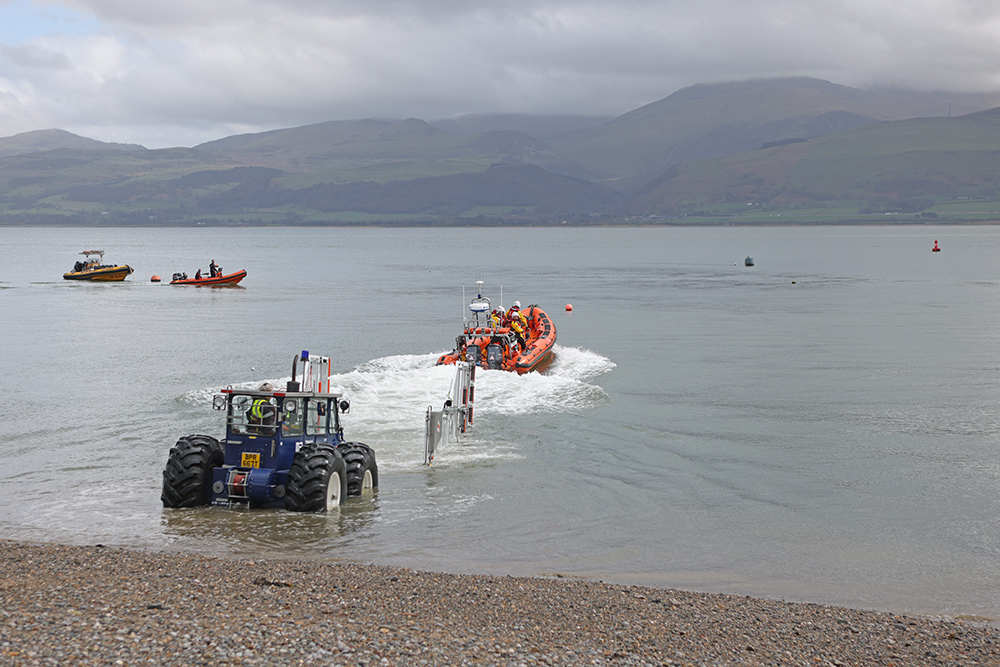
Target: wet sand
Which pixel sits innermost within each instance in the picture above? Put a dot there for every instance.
(73, 605)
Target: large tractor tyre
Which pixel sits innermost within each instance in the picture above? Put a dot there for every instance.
(362, 470)
(317, 479)
(187, 479)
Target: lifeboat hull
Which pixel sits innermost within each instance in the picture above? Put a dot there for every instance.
(105, 274)
(217, 281)
(541, 340)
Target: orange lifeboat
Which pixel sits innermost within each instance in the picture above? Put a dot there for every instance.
(210, 281)
(489, 340)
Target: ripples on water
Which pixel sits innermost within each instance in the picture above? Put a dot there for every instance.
(820, 427)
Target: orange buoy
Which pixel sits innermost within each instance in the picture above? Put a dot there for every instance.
(154, 279)
(569, 306)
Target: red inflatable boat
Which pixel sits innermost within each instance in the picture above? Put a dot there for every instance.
(217, 281)
(504, 341)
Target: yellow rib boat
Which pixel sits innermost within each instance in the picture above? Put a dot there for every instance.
(92, 269)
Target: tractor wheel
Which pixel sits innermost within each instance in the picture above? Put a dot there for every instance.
(187, 479)
(316, 480)
(362, 470)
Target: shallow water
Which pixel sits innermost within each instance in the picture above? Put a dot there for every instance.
(820, 427)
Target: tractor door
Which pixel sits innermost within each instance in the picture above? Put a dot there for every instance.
(317, 420)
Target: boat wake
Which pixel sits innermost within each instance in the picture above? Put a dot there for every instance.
(390, 388)
(390, 395)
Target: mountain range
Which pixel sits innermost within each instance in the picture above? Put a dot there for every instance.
(812, 149)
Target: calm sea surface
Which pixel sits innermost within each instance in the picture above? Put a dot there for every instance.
(821, 427)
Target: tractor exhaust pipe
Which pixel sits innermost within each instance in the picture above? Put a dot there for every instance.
(292, 384)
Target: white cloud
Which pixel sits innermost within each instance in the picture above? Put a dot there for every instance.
(188, 71)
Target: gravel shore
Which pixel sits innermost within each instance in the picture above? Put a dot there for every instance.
(71, 605)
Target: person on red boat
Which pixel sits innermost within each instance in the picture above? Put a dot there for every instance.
(213, 270)
(197, 276)
(518, 323)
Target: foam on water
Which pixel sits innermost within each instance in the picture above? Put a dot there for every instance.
(390, 395)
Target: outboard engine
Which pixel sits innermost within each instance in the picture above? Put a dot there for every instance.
(494, 356)
(472, 354)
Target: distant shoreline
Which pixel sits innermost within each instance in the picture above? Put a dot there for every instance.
(95, 605)
(400, 225)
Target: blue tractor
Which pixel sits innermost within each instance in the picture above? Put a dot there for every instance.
(283, 449)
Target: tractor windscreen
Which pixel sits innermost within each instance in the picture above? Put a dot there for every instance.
(253, 415)
(292, 419)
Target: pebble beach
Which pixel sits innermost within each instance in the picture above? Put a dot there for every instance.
(97, 605)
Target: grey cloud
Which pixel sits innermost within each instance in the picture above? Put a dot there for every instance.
(35, 56)
(261, 64)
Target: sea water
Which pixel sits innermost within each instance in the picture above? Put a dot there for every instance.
(819, 427)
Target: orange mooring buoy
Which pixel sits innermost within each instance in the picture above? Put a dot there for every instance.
(936, 247)
(154, 279)
(569, 306)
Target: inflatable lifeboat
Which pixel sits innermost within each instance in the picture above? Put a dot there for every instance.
(218, 281)
(494, 339)
(92, 269)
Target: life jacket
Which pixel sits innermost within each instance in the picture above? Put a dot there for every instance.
(262, 412)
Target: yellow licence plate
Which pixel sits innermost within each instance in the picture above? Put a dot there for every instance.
(250, 460)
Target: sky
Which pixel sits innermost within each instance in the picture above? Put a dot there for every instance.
(183, 72)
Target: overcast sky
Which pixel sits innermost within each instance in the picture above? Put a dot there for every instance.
(178, 73)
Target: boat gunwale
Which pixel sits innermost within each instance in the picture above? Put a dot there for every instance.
(228, 279)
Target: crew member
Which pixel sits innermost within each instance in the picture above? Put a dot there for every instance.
(213, 270)
(518, 322)
(514, 314)
(518, 329)
(197, 276)
(262, 414)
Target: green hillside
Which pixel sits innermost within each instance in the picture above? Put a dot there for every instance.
(722, 119)
(543, 128)
(47, 140)
(352, 145)
(803, 149)
(912, 166)
(412, 173)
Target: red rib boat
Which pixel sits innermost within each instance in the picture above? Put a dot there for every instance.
(208, 281)
(491, 340)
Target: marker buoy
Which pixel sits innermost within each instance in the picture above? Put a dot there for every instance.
(936, 247)
(569, 306)
(154, 279)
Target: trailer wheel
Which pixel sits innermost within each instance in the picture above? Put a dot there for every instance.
(362, 470)
(317, 479)
(187, 478)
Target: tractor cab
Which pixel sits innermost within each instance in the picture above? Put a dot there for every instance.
(266, 428)
(282, 449)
